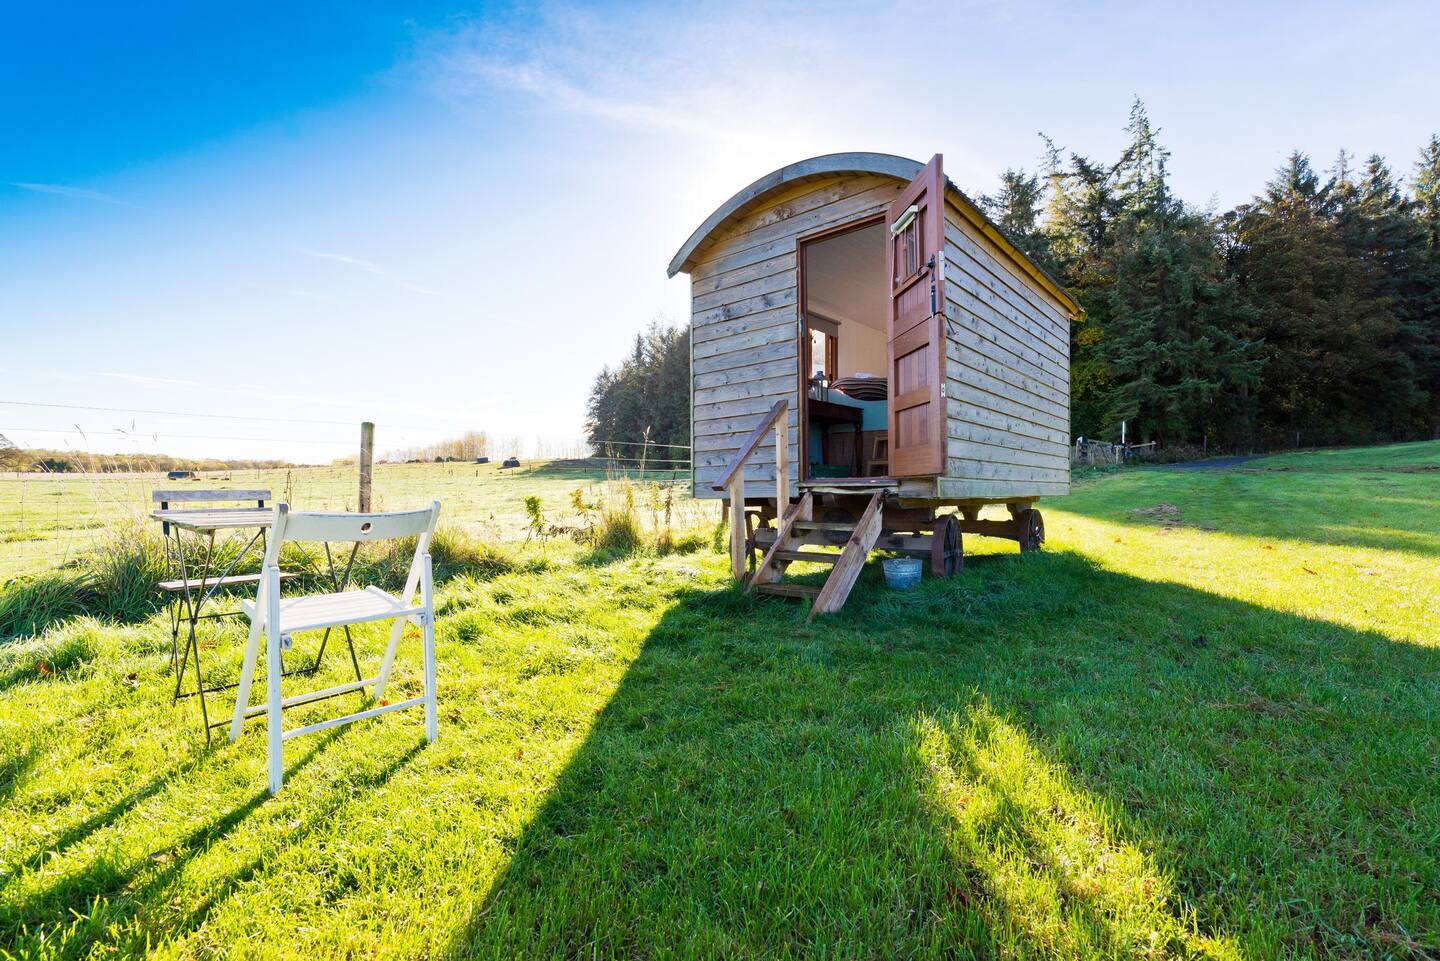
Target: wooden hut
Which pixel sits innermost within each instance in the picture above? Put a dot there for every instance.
(872, 362)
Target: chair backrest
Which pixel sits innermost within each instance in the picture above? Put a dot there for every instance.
(334, 527)
(165, 497)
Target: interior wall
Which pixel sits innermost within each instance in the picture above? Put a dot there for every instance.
(862, 350)
(845, 282)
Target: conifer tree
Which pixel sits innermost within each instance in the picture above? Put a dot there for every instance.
(1328, 341)
(1423, 305)
(647, 396)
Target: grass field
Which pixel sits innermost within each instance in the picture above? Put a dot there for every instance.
(1205, 722)
(48, 519)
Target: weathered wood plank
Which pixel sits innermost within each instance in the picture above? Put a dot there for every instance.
(959, 448)
(773, 388)
(742, 291)
(777, 264)
(971, 295)
(750, 305)
(1006, 281)
(960, 354)
(968, 469)
(719, 330)
(852, 558)
(964, 309)
(970, 430)
(968, 406)
(746, 373)
(777, 334)
(960, 339)
(959, 488)
(766, 571)
(743, 406)
(785, 349)
(737, 425)
(1045, 410)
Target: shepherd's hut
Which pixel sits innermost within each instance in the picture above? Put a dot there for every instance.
(873, 361)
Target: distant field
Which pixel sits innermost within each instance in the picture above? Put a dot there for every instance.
(46, 519)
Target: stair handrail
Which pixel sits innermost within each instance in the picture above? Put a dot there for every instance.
(733, 480)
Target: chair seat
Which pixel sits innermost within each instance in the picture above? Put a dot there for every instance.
(332, 610)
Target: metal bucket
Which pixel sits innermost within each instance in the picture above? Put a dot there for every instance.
(902, 573)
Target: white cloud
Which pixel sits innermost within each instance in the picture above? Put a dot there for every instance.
(368, 267)
(78, 193)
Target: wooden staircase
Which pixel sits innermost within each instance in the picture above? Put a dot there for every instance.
(845, 566)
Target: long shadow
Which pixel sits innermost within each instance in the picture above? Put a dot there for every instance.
(110, 897)
(1174, 773)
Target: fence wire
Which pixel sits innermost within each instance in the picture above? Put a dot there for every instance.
(50, 519)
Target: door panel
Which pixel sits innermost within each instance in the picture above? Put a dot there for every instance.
(916, 331)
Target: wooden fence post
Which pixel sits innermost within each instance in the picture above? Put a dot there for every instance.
(367, 455)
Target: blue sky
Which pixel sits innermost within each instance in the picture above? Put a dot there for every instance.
(443, 218)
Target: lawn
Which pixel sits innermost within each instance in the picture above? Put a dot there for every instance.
(1204, 722)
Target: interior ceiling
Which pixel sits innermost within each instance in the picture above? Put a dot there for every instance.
(845, 276)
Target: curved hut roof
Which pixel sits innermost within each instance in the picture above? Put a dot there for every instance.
(883, 164)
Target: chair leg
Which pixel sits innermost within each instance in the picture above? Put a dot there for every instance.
(432, 719)
(383, 678)
(273, 676)
(247, 671)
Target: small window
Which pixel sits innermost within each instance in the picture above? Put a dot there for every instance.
(905, 235)
(824, 353)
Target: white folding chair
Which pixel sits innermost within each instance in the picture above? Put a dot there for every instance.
(278, 618)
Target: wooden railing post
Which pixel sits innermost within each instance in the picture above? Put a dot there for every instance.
(782, 465)
(737, 525)
(733, 480)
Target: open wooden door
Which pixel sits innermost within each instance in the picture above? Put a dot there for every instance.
(914, 263)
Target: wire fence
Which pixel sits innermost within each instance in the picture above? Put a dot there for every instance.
(49, 519)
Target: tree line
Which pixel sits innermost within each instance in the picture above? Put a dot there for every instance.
(14, 458)
(1309, 315)
(645, 399)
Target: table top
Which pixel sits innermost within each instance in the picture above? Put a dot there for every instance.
(217, 519)
(826, 410)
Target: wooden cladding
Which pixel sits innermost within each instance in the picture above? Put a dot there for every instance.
(978, 345)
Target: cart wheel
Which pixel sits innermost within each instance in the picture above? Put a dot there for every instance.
(1032, 530)
(840, 516)
(947, 550)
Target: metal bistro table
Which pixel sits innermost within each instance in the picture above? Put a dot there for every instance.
(197, 583)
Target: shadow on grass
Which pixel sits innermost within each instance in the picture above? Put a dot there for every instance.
(120, 583)
(1041, 758)
(104, 901)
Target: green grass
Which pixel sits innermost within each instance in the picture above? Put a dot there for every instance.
(49, 519)
(1204, 722)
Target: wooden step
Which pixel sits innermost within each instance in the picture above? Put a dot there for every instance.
(788, 590)
(847, 526)
(814, 557)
